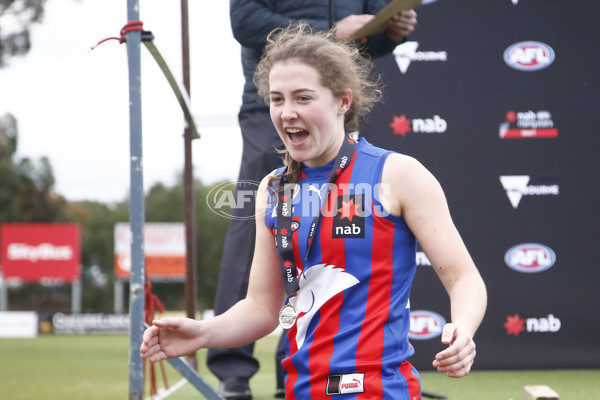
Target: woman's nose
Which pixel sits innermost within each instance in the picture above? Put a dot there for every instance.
(289, 111)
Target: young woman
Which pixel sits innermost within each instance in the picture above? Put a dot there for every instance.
(336, 234)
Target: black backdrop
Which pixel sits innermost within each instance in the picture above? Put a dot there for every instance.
(449, 95)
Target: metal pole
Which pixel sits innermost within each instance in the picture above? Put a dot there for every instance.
(3, 295)
(136, 208)
(188, 176)
(76, 296)
(118, 296)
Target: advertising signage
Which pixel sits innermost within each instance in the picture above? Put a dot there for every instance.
(164, 251)
(40, 252)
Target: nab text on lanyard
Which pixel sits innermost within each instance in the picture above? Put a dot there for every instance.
(283, 236)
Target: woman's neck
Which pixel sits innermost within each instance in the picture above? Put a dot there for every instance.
(329, 155)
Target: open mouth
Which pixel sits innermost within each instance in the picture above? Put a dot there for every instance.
(297, 136)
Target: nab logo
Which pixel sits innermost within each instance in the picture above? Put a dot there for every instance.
(349, 218)
(515, 325)
(402, 125)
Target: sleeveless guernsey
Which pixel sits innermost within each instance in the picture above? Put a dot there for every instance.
(350, 340)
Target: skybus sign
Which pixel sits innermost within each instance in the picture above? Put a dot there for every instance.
(40, 252)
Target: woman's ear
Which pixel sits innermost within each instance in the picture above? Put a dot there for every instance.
(346, 101)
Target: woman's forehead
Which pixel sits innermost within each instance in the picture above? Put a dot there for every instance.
(292, 74)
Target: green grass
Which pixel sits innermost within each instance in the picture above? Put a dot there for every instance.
(94, 367)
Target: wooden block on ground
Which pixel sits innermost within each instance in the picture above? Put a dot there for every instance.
(539, 392)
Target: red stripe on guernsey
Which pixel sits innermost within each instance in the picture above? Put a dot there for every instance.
(412, 380)
(371, 341)
(321, 350)
(292, 372)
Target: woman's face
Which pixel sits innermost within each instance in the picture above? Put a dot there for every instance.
(308, 118)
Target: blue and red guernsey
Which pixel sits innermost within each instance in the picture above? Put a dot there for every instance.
(351, 337)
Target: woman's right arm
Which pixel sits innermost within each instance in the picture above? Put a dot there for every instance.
(245, 322)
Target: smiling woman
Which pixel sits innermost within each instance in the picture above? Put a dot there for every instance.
(296, 93)
(338, 77)
(338, 277)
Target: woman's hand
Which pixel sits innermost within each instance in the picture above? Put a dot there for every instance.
(458, 358)
(170, 337)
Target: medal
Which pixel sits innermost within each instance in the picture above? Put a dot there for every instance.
(287, 316)
(283, 235)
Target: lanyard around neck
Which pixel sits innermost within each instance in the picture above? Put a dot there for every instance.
(283, 235)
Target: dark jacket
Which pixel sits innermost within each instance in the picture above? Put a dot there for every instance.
(253, 20)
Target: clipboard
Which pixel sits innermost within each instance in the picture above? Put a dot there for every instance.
(380, 20)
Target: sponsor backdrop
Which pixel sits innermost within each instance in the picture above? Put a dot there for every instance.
(500, 101)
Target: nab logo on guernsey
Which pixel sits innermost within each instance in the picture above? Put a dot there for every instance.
(425, 325)
(529, 56)
(349, 218)
(517, 186)
(530, 258)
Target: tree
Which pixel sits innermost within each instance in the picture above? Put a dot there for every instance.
(26, 186)
(27, 195)
(16, 19)
(164, 204)
(97, 222)
(9, 182)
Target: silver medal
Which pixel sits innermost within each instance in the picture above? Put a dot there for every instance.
(287, 316)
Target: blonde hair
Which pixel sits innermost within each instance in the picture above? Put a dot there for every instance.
(340, 64)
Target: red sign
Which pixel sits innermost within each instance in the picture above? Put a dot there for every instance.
(38, 252)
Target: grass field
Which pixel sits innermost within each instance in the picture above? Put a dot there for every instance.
(94, 367)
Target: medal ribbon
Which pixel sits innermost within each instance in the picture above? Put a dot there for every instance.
(283, 235)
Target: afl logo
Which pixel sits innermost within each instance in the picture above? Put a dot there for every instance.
(425, 325)
(530, 258)
(529, 56)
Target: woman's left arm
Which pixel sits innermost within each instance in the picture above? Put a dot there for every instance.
(418, 197)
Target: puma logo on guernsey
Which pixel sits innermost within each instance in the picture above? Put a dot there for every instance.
(351, 385)
(346, 383)
(318, 191)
